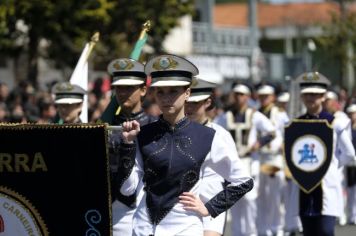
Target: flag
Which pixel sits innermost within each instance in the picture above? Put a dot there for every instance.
(113, 107)
(80, 74)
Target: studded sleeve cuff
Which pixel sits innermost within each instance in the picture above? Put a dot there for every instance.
(227, 198)
(126, 163)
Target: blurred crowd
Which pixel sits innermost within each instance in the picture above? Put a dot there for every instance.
(25, 104)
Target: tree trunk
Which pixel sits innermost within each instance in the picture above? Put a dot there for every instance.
(33, 58)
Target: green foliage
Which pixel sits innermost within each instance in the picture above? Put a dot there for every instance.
(338, 34)
(229, 1)
(66, 25)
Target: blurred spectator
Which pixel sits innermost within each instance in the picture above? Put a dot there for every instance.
(17, 115)
(4, 113)
(4, 92)
(48, 111)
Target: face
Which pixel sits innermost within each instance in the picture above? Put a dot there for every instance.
(241, 99)
(171, 100)
(313, 101)
(352, 116)
(330, 105)
(197, 110)
(266, 99)
(69, 113)
(130, 96)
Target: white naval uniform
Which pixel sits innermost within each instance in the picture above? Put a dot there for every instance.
(211, 185)
(343, 153)
(122, 215)
(270, 213)
(244, 212)
(351, 192)
(341, 116)
(222, 158)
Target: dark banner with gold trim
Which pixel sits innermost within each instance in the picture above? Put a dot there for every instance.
(54, 180)
(308, 149)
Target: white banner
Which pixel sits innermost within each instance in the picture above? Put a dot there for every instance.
(226, 66)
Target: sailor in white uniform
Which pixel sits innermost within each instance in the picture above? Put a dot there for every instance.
(270, 213)
(332, 106)
(320, 208)
(129, 84)
(171, 155)
(292, 224)
(251, 131)
(351, 172)
(197, 106)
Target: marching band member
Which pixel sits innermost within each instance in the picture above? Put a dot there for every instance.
(292, 223)
(171, 155)
(247, 124)
(197, 106)
(332, 106)
(319, 208)
(129, 85)
(69, 102)
(351, 171)
(272, 180)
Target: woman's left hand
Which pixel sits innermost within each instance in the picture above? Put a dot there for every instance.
(192, 202)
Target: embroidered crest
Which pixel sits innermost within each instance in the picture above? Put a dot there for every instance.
(64, 87)
(123, 64)
(311, 76)
(165, 63)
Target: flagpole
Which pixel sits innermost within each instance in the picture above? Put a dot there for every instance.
(113, 107)
(136, 52)
(94, 39)
(145, 28)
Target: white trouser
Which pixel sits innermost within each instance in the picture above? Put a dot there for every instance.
(351, 204)
(270, 213)
(243, 217)
(215, 224)
(121, 219)
(291, 221)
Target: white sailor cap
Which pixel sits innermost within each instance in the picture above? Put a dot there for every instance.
(283, 97)
(312, 82)
(170, 70)
(331, 95)
(126, 72)
(351, 108)
(200, 90)
(67, 93)
(265, 89)
(241, 88)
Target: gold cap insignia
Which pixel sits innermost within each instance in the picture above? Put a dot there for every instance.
(165, 63)
(62, 87)
(194, 82)
(123, 64)
(311, 76)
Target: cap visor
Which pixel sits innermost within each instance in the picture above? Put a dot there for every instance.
(169, 83)
(198, 98)
(241, 90)
(127, 82)
(68, 101)
(351, 108)
(313, 90)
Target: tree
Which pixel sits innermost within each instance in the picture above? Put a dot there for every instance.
(58, 29)
(339, 39)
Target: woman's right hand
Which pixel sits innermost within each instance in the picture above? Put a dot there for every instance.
(130, 130)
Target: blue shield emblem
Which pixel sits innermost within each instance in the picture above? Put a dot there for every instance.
(308, 151)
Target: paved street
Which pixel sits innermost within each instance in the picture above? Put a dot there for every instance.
(347, 230)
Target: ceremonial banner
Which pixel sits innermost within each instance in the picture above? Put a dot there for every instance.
(54, 180)
(308, 151)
